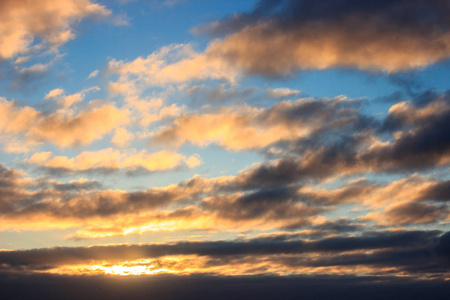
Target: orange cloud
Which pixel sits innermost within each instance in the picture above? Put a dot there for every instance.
(66, 101)
(82, 129)
(114, 159)
(23, 22)
(261, 49)
(122, 137)
(64, 128)
(247, 127)
(170, 65)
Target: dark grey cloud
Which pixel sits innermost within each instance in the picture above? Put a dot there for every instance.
(433, 257)
(8, 177)
(407, 115)
(340, 226)
(103, 203)
(279, 203)
(429, 15)
(421, 148)
(221, 94)
(28, 78)
(88, 185)
(416, 132)
(443, 247)
(11, 189)
(438, 192)
(408, 81)
(325, 161)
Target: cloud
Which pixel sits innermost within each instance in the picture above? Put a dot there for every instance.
(232, 203)
(59, 205)
(416, 143)
(110, 159)
(265, 205)
(23, 78)
(64, 127)
(78, 185)
(35, 204)
(338, 226)
(122, 137)
(93, 74)
(196, 204)
(173, 64)
(62, 100)
(244, 127)
(409, 213)
(49, 22)
(319, 141)
(438, 192)
(203, 94)
(423, 142)
(424, 253)
(281, 92)
(82, 129)
(54, 93)
(156, 113)
(284, 192)
(279, 38)
(257, 246)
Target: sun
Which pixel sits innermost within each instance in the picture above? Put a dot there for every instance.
(130, 271)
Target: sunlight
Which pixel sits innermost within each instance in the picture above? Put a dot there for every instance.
(123, 270)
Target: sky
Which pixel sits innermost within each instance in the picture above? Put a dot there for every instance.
(232, 148)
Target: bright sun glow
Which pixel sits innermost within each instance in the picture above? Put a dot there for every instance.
(130, 270)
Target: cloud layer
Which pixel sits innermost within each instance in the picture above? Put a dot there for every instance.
(375, 252)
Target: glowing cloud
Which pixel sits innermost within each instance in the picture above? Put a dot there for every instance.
(51, 22)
